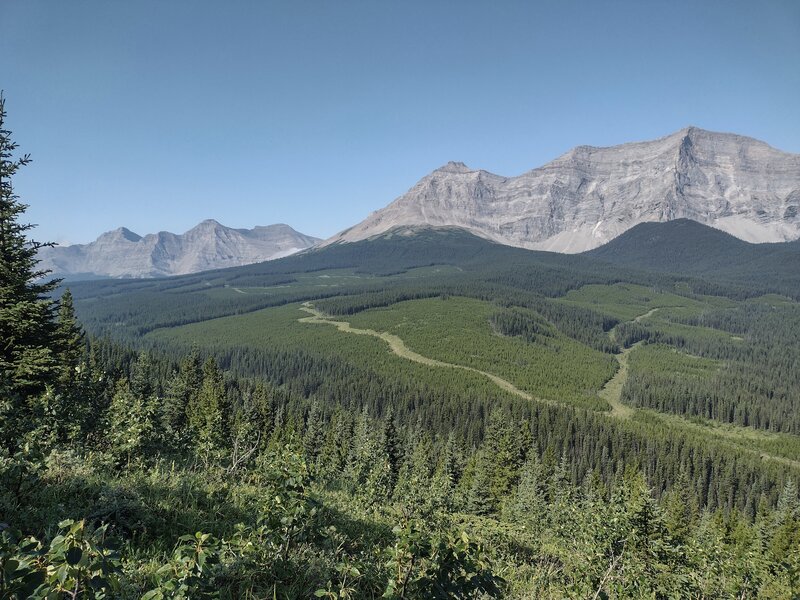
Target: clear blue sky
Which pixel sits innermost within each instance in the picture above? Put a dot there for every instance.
(158, 114)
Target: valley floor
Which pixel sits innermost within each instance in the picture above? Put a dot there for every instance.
(611, 392)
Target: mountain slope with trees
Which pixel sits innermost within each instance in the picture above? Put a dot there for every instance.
(158, 474)
(693, 249)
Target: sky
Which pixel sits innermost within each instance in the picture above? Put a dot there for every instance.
(155, 114)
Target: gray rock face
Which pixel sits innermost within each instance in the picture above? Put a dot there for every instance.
(209, 245)
(591, 195)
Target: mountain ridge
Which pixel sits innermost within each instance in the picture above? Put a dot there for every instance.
(206, 246)
(589, 195)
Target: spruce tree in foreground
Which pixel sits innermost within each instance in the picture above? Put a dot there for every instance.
(29, 338)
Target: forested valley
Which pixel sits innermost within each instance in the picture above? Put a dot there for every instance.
(194, 437)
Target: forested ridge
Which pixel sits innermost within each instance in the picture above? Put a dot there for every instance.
(219, 447)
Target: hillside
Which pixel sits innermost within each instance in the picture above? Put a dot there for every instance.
(690, 248)
(430, 393)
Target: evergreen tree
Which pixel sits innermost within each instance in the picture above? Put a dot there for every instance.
(528, 504)
(359, 459)
(71, 336)
(336, 448)
(262, 401)
(206, 414)
(479, 499)
(141, 379)
(681, 511)
(391, 447)
(312, 438)
(181, 390)
(131, 423)
(29, 338)
(447, 475)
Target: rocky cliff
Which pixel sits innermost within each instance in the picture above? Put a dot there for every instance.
(591, 195)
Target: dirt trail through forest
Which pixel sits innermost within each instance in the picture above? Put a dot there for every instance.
(400, 349)
(611, 392)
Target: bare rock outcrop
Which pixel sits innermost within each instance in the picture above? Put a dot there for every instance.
(590, 195)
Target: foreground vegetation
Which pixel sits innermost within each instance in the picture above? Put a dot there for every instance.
(282, 459)
(288, 502)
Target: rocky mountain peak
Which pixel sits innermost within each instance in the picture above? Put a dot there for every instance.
(121, 233)
(207, 225)
(453, 167)
(208, 245)
(592, 194)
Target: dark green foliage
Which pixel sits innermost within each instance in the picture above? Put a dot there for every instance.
(630, 333)
(438, 567)
(131, 423)
(78, 563)
(755, 382)
(72, 340)
(285, 541)
(29, 339)
(207, 414)
(382, 273)
(689, 248)
(524, 323)
(181, 391)
(189, 574)
(328, 467)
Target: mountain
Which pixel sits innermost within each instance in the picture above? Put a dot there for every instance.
(690, 248)
(209, 245)
(591, 195)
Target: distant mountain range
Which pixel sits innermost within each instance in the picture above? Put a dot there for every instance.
(209, 245)
(590, 195)
(574, 204)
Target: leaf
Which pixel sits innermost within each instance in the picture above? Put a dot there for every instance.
(11, 566)
(57, 544)
(32, 581)
(74, 555)
(97, 582)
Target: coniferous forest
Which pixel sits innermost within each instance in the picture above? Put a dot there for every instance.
(424, 416)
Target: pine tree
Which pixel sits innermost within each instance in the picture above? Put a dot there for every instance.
(681, 511)
(206, 412)
(479, 499)
(312, 438)
(262, 401)
(358, 461)
(29, 339)
(181, 391)
(391, 447)
(71, 337)
(131, 423)
(141, 379)
(529, 504)
(336, 449)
